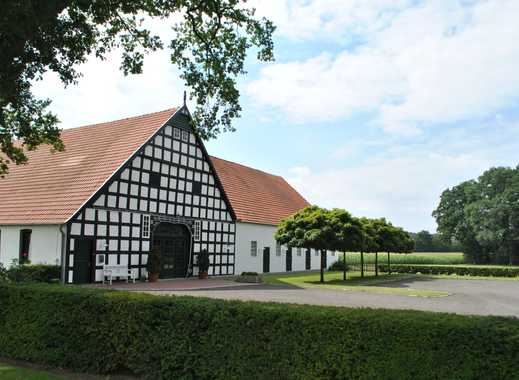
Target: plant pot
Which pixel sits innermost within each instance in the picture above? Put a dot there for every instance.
(203, 275)
(153, 277)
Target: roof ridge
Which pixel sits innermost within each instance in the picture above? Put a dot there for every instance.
(248, 167)
(172, 109)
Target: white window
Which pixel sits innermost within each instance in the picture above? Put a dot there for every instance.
(196, 231)
(176, 133)
(278, 249)
(146, 221)
(253, 248)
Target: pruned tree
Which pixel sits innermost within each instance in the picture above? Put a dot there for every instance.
(209, 46)
(310, 227)
(349, 233)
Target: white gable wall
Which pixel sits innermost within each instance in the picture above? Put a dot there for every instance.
(45, 247)
(264, 236)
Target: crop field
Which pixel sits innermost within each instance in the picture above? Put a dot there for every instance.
(439, 258)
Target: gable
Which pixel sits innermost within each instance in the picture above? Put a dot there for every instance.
(171, 174)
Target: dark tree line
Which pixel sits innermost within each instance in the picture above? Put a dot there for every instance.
(483, 216)
(424, 241)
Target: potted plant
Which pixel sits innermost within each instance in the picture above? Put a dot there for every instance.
(153, 265)
(203, 264)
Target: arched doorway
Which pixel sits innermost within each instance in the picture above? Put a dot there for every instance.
(172, 240)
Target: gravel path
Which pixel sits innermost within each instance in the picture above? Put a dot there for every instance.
(477, 297)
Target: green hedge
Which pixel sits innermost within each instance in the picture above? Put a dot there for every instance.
(462, 270)
(160, 337)
(34, 273)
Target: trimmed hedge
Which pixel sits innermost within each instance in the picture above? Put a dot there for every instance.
(34, 273)
(462, 270)
(162, 337)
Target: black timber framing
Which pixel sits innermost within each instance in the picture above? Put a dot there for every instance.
(181, 119)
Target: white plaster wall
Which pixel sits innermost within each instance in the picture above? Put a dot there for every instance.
(45, 245)
(264, 235)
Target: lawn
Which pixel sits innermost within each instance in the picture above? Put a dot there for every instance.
(9, 372)
(333, 280)
(353, 258)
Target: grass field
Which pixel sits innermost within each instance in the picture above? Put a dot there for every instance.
(333, 280)
(9, 372)
(353, 258)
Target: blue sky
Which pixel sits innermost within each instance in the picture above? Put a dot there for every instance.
(374, 106)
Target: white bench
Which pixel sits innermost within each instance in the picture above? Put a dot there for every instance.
(118, 270)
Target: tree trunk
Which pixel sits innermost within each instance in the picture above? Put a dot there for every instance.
(388, 264)
(323, 259)
(376, 263)
(344, 266)
(362, 264)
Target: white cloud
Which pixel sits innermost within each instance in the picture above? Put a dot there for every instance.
(336, 19)
(440, 62)
(403, 189)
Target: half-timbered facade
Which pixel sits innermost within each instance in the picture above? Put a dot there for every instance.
(125, 187)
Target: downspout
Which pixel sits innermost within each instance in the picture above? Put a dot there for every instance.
(63, 253)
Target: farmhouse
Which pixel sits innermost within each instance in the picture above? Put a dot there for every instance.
(123, 187)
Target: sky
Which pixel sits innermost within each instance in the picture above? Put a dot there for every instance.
(373, 106)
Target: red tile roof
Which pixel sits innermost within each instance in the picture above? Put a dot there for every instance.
(256, 196)
(53, 186)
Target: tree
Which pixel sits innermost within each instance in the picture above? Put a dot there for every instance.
(348, 231)
(370, 241)
(424, 241)
(483, 215)
(310, 227)
(210, 46)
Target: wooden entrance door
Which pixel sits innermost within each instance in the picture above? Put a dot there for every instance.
(172, 240)
(83, 267)
(266, 259)
(289, 260)
(308, 260)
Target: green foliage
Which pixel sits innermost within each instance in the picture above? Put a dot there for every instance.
(31, 273)
(209, 47)
(153, 264)
(462, 270)
(382, 236)
(483, 215)
(3, 273)
(183, 337)
(427, 242)
(203, 261)
(353, 259)
(310, 227)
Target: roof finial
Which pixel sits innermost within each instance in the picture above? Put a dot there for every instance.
(185, 95)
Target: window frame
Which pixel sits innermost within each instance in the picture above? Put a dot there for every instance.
(146, 226)
(254, 248)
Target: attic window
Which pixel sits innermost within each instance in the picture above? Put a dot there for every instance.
(154, 179)
(185, 136)
(197, 188)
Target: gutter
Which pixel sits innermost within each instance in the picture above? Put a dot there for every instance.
(63, 253)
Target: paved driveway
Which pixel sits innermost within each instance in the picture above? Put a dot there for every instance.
(481, 297)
